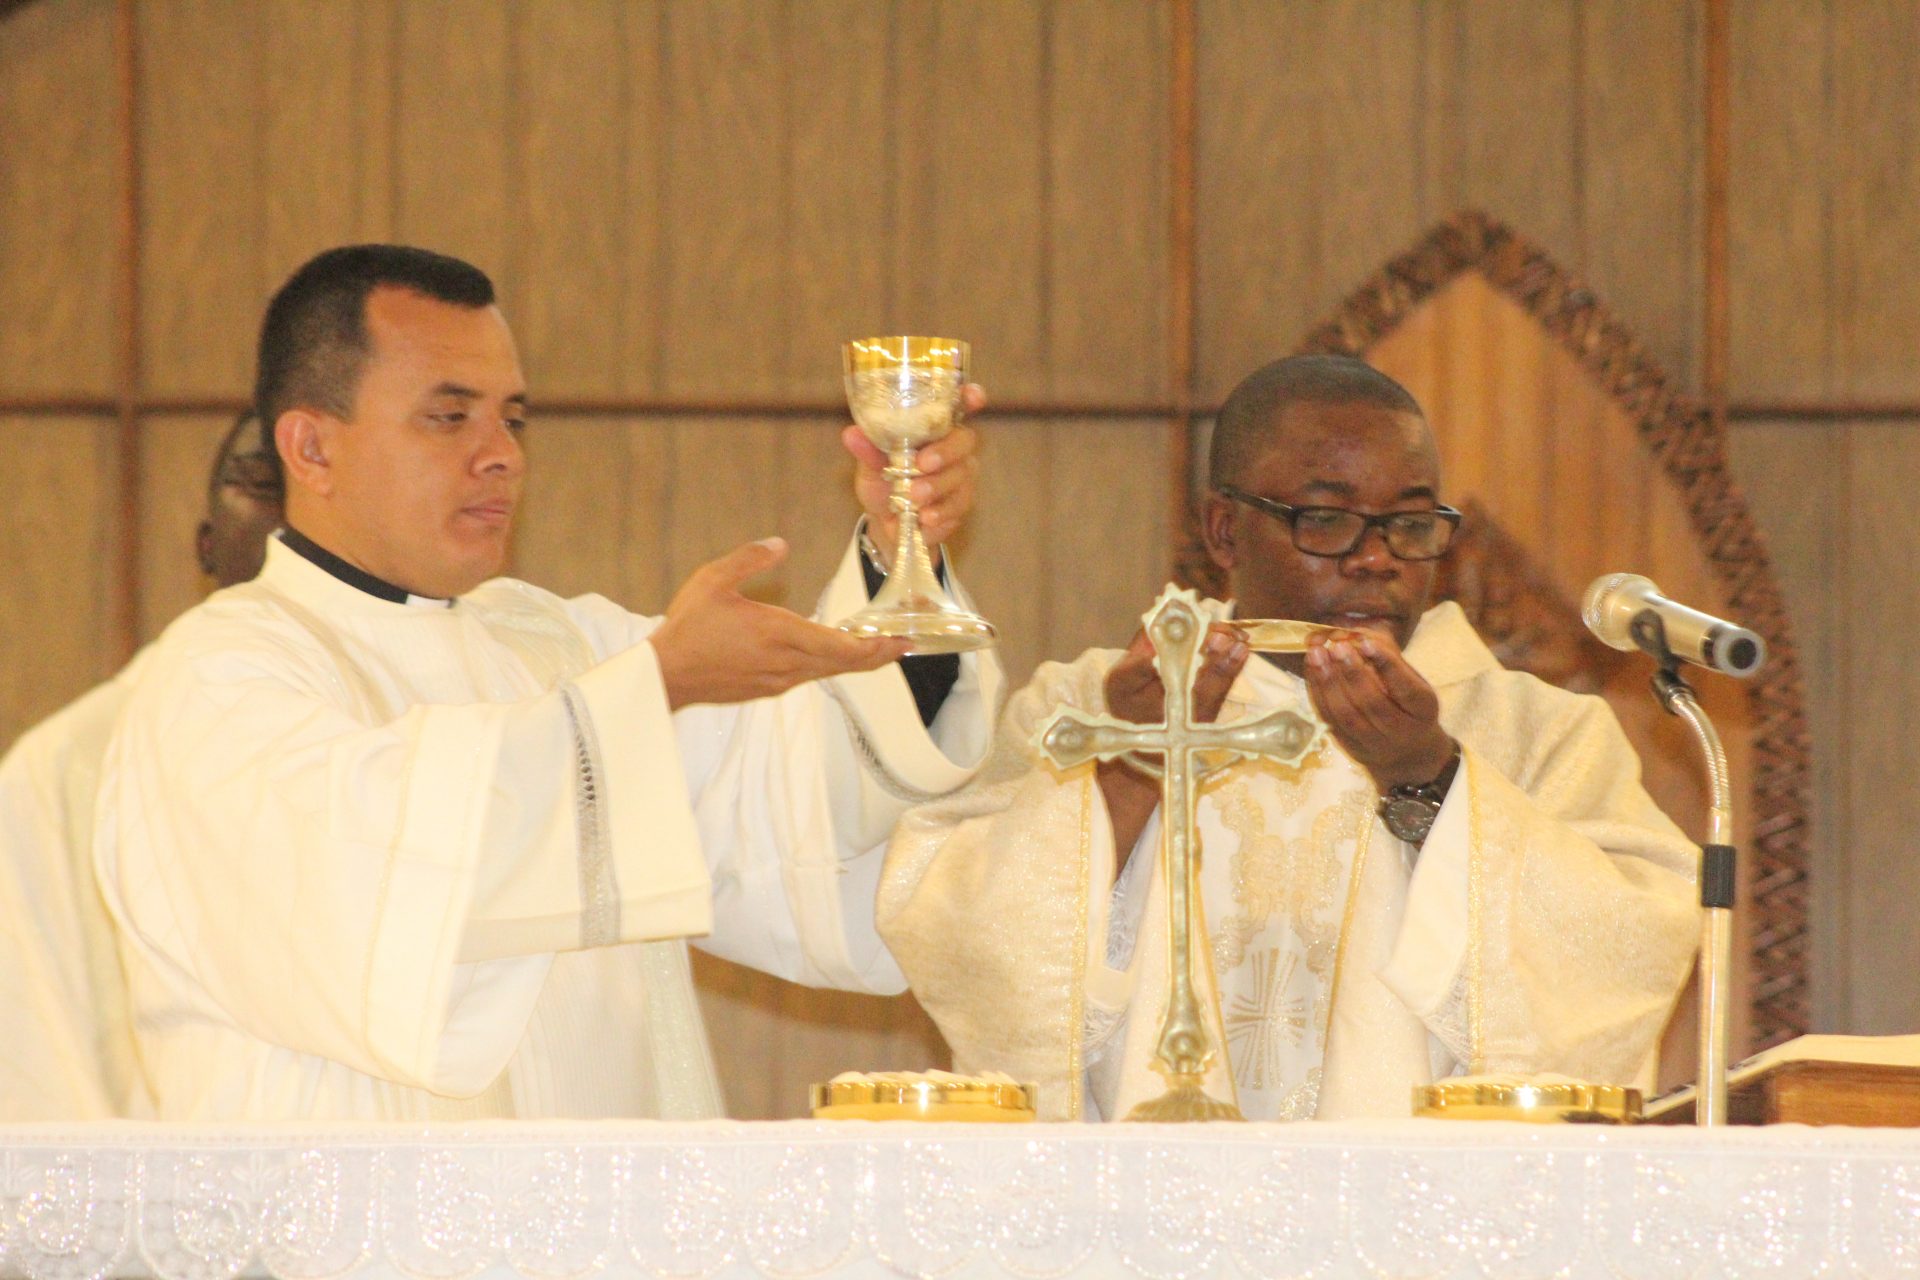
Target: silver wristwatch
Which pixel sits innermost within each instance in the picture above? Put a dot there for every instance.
(1409, 810)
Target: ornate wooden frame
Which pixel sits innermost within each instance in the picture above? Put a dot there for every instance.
(1689, 441)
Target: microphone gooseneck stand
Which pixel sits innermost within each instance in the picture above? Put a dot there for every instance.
(1717, 884)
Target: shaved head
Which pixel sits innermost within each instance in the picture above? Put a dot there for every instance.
(1255, 408)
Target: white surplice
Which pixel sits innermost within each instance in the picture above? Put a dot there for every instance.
(417, 860)
(66, 1050)
(1545, 925)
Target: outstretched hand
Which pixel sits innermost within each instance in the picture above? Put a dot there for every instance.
(950, 469)
(718, 646)
(1382, 712)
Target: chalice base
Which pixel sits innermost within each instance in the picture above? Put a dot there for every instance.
(1184, 1102)
(931, 628)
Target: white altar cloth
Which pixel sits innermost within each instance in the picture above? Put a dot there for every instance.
(802, 1199)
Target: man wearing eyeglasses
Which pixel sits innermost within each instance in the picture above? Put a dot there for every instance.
(1469, 878)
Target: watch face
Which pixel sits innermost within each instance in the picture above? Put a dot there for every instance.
(1409, 817)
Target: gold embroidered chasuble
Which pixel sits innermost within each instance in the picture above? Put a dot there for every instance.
(1546, 924)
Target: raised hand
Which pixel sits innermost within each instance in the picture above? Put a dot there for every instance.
(1382, 711)
(944, 493)
(718, 646)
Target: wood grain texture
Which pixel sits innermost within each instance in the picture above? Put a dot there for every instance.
(727, 192)
(176, 456)
(1779, 223)
(1309, 167)
(455, 158)
(58, 530)
(840, 165)
(60, 193)
(970, 205)
(1516, 70)
(1105, 530)
(1641, 170)
(1873, 145)
(1880, 702)
(323, 172)
(568, 256)
(1107, 181)
(201, 199)
(1801, 497)
(594, 513)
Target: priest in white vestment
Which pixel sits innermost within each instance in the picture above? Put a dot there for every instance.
(389, 837)
(1467, 877)
(66, 1048)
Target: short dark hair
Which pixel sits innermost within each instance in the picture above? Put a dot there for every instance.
(1256, 404)
(313, 342)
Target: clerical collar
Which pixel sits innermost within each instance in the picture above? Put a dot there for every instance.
(353, 575)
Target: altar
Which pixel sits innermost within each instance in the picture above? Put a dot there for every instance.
(804, 1199)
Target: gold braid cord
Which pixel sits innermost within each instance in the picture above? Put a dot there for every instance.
(1690, 445)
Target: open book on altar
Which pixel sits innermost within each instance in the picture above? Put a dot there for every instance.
(1855, 1080)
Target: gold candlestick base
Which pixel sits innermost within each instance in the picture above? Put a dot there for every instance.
(1184, 1102)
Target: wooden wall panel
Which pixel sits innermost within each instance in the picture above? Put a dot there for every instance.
(1801, 499)
(1108, 194)
(176, 457)
(60, 193)
(1880, 703)
(1322, 98)
(1332, 134)
(455, 165)
(1107, 541)
(1873, 144)
(592, 518)
(840, 166)
(1005, 559)
(725, 231)
(1641, 172)
(1780, 291)
(201, 194)
(59, 532)
(970, 202)
(325, 135)
(1515, 73)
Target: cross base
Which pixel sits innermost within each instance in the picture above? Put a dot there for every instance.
(1184, 1102)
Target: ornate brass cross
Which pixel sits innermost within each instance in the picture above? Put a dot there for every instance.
(1178, 631)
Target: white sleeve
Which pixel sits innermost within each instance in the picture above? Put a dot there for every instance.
(1579, 892)
(411, 879)
(795, 797)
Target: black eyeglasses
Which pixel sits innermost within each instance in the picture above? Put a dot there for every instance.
(1336, 531)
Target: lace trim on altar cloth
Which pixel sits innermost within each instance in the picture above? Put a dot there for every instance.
(599, 890)
(807, 1200)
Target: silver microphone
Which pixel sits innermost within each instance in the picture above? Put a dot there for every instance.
(1616, 600)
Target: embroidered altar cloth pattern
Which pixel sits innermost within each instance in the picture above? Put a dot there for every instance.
(1434, 1199)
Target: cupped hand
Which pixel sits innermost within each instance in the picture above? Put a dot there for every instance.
(718, 646)
(1382, 712)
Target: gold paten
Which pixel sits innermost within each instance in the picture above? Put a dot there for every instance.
(1547, 1102)
(1279, 635)
(975, 1101)
(1189, 750)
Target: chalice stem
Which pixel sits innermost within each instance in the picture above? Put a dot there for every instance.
(912, 582)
